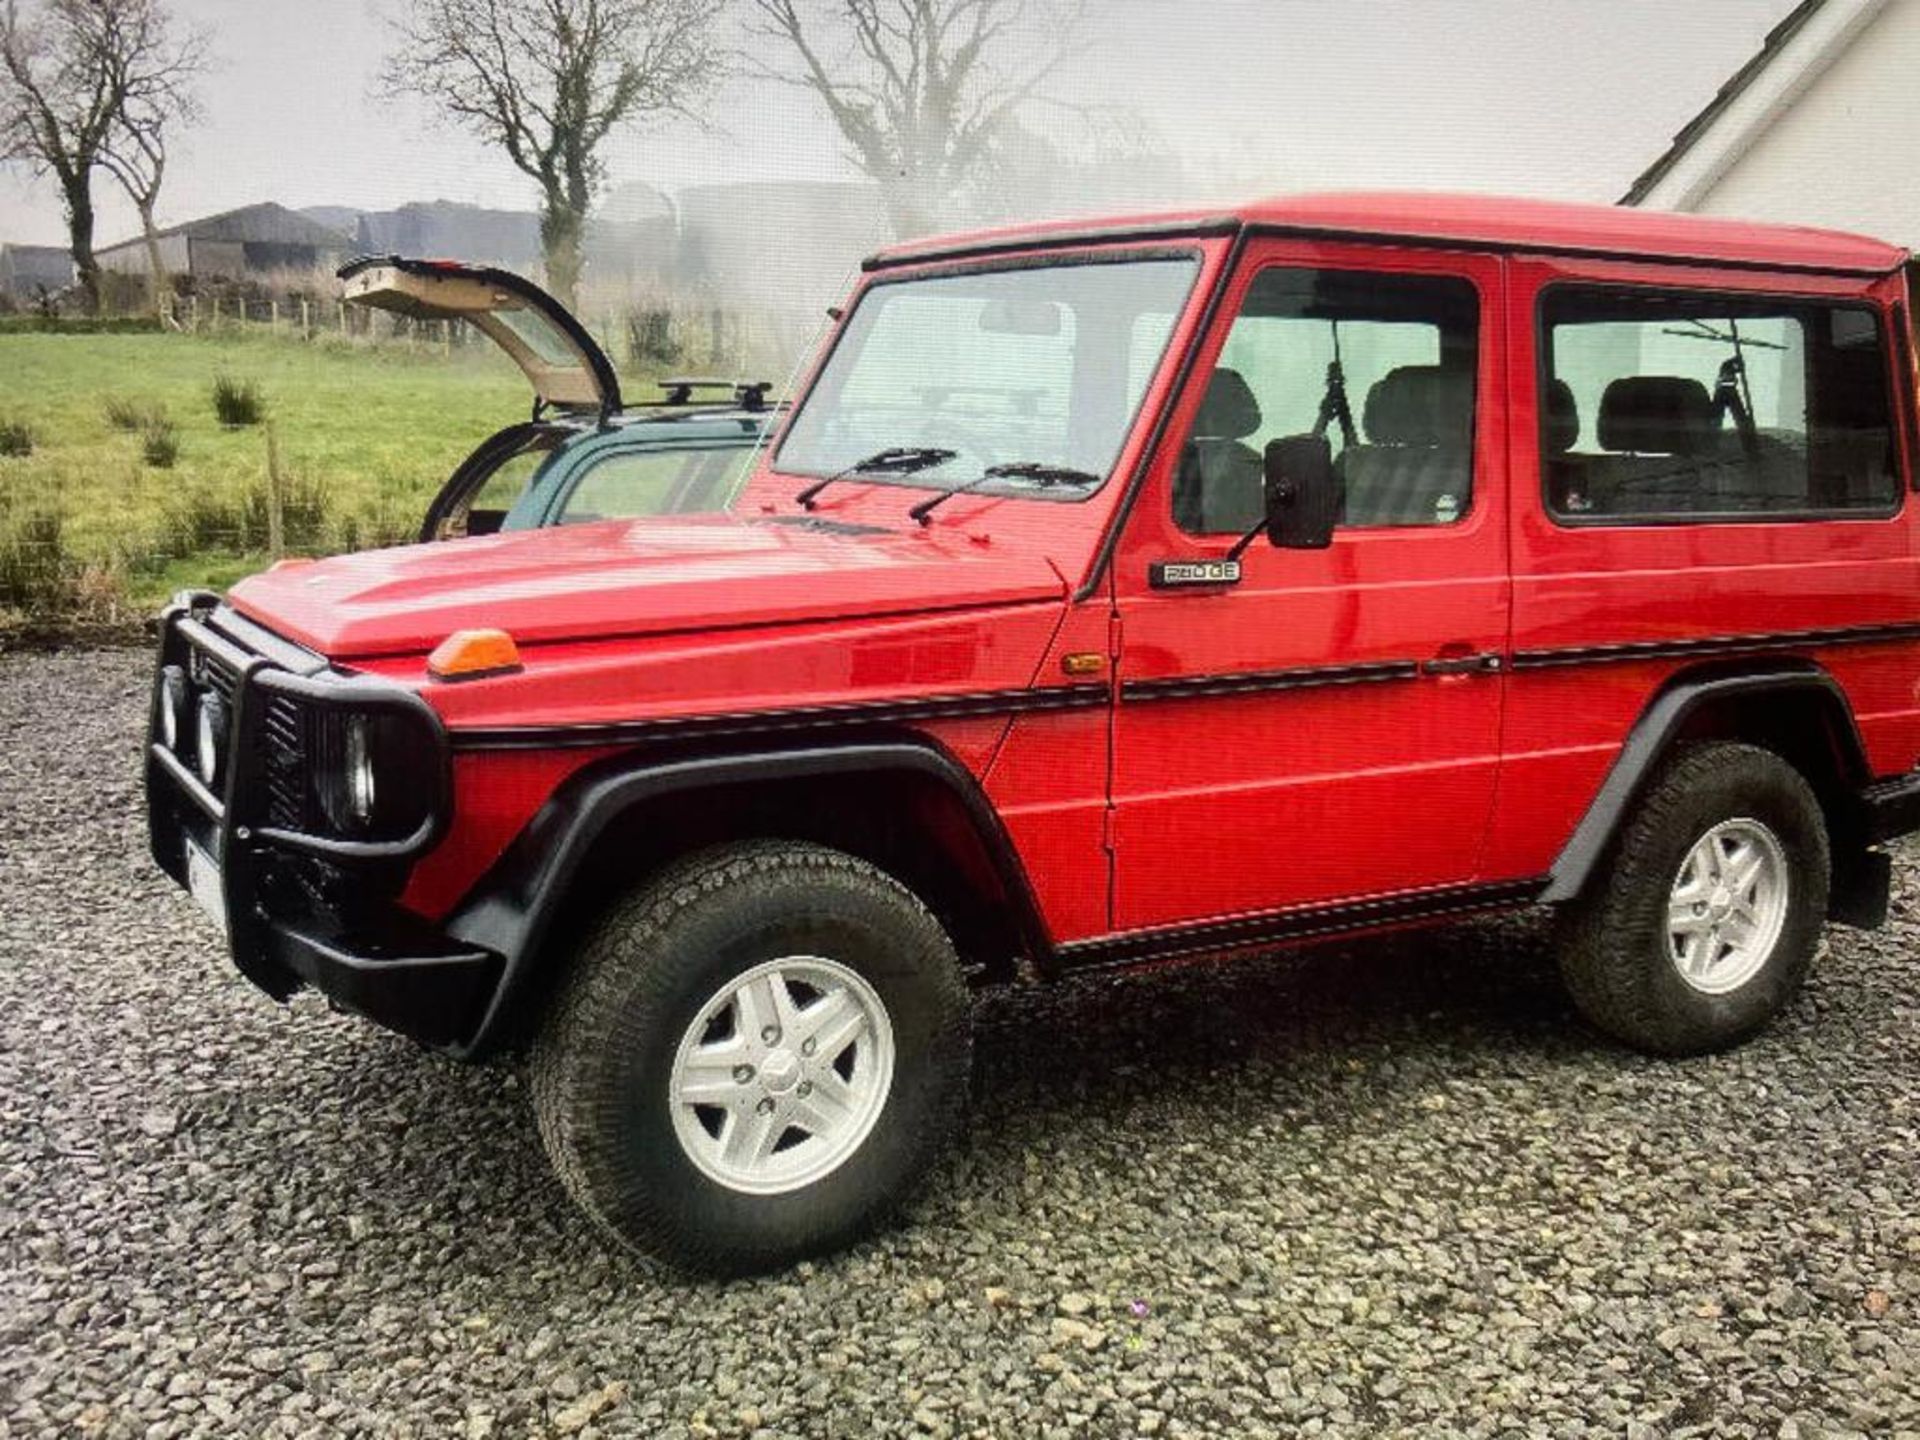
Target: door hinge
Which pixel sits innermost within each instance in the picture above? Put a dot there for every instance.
(1113, 636)
(1109, 839)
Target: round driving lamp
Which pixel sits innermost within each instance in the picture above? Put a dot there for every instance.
(175, 697)
(209, 737)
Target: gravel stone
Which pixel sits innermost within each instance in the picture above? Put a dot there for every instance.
(1378, 1188)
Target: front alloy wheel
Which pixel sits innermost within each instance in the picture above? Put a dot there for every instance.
(757, 1057)
(782, 1074)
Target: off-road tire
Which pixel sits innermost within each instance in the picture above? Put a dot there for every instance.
(1614, 947)
(602, 1062)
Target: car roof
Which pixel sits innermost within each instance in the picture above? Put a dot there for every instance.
(1433, 218)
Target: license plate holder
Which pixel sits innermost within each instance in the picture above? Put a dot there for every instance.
(206, 885)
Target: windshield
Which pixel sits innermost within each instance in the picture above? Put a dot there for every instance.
(1042, 366)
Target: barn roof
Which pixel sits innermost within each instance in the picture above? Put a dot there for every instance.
(265, 223)
(1808, 39)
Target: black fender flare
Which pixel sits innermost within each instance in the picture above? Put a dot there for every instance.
(512, 908)
(1653, 734)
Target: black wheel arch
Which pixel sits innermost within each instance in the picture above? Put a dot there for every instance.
(901, 802)
(1794, 708)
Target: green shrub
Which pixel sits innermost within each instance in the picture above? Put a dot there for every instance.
(305, 513)
(36, 570)
(237, 402)
(16, 438)
(375, 527)
(159, 445)
(198, 521)
(129, 415)
(195, 520)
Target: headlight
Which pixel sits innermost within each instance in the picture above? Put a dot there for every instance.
(209, 737)
(175, 697)
(359, 772)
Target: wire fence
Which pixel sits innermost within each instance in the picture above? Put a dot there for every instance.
(760, 343)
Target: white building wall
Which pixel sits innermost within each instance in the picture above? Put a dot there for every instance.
(1845, 152)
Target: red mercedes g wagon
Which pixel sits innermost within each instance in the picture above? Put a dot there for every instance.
(1161, 587)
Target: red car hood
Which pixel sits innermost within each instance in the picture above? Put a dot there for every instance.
(630, 577)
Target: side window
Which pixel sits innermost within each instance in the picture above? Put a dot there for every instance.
(1381, 366)
(1670, 407)
(485, 509)
(631, 483)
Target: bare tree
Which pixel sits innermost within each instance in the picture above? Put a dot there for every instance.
(548, 80)
(70, 72)
(135, 150)
(924, 91)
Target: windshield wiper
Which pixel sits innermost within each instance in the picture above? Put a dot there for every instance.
(896, 460)
(1040, 474)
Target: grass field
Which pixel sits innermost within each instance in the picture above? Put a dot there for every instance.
(90, 529)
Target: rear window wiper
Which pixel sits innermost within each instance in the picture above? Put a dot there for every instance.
(1034, 471)
(896, 460)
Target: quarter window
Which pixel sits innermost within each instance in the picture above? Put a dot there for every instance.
(1381, 366)
(1663, 406)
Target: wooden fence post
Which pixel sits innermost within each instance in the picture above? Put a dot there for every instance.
(276, 496)
(273, 316)
(306, 320)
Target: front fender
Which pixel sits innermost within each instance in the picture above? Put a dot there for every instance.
(513, 908)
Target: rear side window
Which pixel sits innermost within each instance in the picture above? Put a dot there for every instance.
(1660, 406)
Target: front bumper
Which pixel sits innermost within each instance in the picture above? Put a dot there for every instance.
(300, 905)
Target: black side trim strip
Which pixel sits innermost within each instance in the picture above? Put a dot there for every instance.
(789, 721)
(1715, 645)
(1276, 927)
(1252, 682)
(1052, 240)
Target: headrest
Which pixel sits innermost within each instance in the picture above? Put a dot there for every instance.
(1228, 411)
(1657, 415)
(1420, 405)
(1563, 418)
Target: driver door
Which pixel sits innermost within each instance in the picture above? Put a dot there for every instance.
(1320, 728)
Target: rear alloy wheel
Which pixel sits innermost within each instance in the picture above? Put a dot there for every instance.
(1710, 913)
(757, 1057)
(1728, 907)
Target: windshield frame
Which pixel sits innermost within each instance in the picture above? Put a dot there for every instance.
(1048, 259)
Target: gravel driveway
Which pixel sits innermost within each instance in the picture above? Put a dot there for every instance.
(1364, 1190)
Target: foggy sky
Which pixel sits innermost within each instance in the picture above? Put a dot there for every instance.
(1561, 98)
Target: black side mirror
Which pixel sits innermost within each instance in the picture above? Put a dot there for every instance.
(1302, 492)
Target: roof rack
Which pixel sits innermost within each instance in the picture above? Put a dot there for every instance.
(747, 394)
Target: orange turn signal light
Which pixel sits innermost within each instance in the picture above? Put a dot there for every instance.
(472, 654)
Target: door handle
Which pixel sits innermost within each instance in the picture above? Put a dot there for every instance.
(1486, 662)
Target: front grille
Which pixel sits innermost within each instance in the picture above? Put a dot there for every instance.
(211, 673)
(281, 745)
